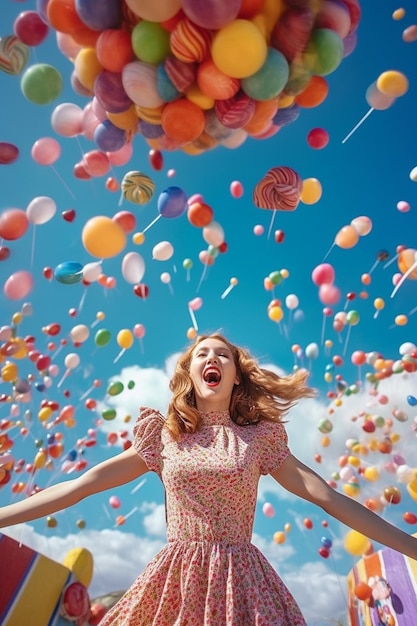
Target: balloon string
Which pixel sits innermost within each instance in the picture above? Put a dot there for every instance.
(63, 182)
(323, 326)
(355, 128)
(347, 340)
(272, 223)
(32, 257)
(403, 278)
(391, 261)
(152, 223)
(328, 251)
(203, 275)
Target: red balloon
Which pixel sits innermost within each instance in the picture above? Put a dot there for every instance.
(318, 138)
(141, 290)
(13, 224)
(156, 159)
(30, 28)
(80, 172)
(410, 518)
(126, 220)
(69, 215)
(4, 253)
(8, 153)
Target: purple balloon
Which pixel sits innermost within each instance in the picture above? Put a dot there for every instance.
(172, 202)
(100, 15)
(109, 91)
(211, 14)
(108, 137)
(150, 131)
(41, 7)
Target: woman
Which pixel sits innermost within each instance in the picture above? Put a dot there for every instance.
(223, 430)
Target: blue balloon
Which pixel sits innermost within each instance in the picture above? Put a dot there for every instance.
(108, 137)
(100, 15)
(412, 400)
(69, 272)
(165, 86)
(326, 542)
(72, 455)
(172, 202)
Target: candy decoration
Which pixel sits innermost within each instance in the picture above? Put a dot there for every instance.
(137, 187)
(279, 189)
(14, 55)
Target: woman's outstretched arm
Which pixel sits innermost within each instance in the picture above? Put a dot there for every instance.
(111, 473)
(301, 480)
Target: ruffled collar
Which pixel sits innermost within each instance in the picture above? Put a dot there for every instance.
(215, 418)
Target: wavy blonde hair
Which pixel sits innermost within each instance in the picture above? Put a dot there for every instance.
(260, 394)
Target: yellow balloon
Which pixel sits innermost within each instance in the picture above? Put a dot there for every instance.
(371, 473)
(102, 237)
(311, 191)
(9, 372)
(125, 338)
(239, 49)
(44, 413)
(127, 120)
(355, 543)
(194, 94)
(80, 562)
(279, 537)
(275, 313)
(392, 83)
(39, 460)
(412, 490)
(87, 67)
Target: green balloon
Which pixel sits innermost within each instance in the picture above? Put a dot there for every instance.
(324, 51)
(130, 384)
(102, 337)
(150, 42)
(41, 83)
(115, 388)
(108, 414)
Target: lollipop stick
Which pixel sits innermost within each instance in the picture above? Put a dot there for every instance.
(355, 128)
(403, 278)
(193, 319)
(272, 222)
(121, 353)
(152, 223)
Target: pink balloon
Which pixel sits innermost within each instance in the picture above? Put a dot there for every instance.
(114, 502)
(268, 510)
(89, 121)
(121, 156)
(139, 331)
(195, 304)
(236, 189)
(67, 45)
(329, 294)
(196, 197)
(46, 151)
(18, 285)
(323, 274)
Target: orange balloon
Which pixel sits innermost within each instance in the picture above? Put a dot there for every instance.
(405, 260)
(262, 116)
(314, 94)
(63, 17)
(103, 237)
(347, 237)
(182, 120)
(114, 49)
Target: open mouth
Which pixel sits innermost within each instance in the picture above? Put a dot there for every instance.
(211, 376)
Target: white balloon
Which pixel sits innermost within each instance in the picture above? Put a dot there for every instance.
(213, 234)
(40, 210)
(162, 251)
(133, 267)
(92, 271)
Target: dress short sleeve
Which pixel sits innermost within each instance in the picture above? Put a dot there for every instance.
(273, 445)
(147, 438)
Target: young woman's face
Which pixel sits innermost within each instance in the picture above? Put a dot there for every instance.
(213, 373)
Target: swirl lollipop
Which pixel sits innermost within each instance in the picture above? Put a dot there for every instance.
(137, 187)
(279, 189)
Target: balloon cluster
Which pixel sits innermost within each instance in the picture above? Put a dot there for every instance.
(192, 75)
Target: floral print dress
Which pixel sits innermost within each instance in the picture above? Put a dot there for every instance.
(209, 573)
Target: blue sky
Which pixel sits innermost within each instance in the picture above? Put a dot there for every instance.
(367, 175)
